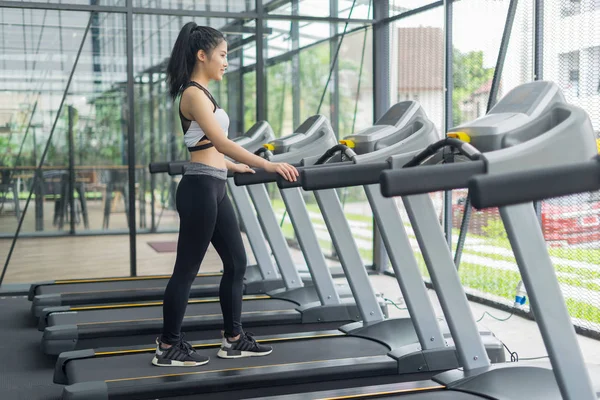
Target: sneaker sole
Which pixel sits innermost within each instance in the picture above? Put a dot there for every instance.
(223, 354)
(173, 363)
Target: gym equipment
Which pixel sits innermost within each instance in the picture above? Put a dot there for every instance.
(259, 278)
(511, 188)
(295, 308)
(355, 351)
(529, 129)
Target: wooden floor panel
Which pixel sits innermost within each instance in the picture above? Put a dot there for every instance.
(38, 259)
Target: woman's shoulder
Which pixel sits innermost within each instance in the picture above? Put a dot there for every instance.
(192, 95)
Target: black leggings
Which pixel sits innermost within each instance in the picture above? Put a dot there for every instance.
(206, 216)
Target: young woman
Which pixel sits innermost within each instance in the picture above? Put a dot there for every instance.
(206, 214)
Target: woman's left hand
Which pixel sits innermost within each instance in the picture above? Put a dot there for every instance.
(242, 169)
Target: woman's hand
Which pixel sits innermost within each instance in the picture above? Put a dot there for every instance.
(241, 168)
(289, 172)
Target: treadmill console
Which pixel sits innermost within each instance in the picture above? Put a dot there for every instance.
(403, 128)
(521, 107)
(315, 132)
(536, 117)
(259, 134)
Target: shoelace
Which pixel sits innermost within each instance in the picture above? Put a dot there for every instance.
(249, 338)
(183, 345)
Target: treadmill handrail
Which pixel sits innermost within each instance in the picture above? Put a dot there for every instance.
(338, 175)
(429, 178)
(176, 167)
(159, 167)
(259, 176)
(497, 190)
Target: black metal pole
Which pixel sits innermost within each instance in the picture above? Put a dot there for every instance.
(381, 102)
(71, 187)
(37, 173)
(449, 120)
(152, 155)
(510, 19)
(334, 94)
(131, 140)
(295, 36)
(261, 87)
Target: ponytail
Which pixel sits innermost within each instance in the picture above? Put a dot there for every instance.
(192, 38)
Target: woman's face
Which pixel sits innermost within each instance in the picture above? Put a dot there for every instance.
(217, 63)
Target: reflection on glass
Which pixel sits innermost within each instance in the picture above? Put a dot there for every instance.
(206, 5)
(401, 6)
(88, 129)
(280, 40)
(311, 32)
(118, 3)
(355, 66)
(279, 98)
(417, 62)
(249, 99)
(314, 71)
(362, 9)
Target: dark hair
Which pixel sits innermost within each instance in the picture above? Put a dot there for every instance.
(192, 38)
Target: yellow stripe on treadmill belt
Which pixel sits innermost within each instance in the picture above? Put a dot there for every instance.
(159, 303)
(187, 316)
(216, 344)
(232, 369)
(388, 393)
(127, 278)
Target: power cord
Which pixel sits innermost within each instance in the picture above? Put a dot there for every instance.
(496, 318)
(520, 300)
(394, 304)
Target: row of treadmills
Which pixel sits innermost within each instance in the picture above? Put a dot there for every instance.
(334, 341)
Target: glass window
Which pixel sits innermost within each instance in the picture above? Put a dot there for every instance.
(569, 73)
(205, 5)
(592, 86)
(570, 7)
(417, 62)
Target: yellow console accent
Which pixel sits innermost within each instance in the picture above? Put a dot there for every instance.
(460, 135)
(269, 146)
(348, 142)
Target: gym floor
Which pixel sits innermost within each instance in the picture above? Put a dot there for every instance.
(26, 373)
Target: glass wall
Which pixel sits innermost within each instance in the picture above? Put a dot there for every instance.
(64, 139)
(74, 118)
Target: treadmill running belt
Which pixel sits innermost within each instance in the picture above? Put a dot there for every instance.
(138, 313)
(367, 389)
(300, 351)
(118, 285)
(427, 395)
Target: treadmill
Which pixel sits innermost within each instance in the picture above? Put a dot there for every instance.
(532, 144)
(355, 351)
(296, 308)
(259, 278)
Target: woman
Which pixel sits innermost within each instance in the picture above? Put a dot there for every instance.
(206, 214)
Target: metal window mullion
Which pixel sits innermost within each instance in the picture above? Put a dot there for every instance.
(131, 139)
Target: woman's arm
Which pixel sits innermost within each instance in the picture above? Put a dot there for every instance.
(201, 111)
(230, 165)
